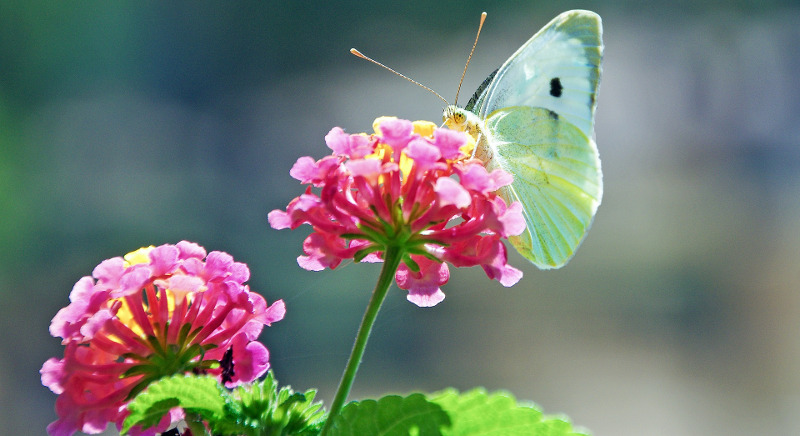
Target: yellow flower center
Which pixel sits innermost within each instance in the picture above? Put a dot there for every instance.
(125, 314)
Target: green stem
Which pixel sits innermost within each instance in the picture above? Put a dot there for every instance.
(391, 260)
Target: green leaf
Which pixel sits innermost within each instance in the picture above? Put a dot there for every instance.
(477, 413)
(392, 415)
(261, 408)
(196, 394)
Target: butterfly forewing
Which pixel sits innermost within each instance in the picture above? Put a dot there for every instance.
(557, 69)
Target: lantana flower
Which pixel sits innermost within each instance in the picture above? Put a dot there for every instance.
(157, 312)
(409, 187)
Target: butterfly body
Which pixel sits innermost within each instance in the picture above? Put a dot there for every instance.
(534, 118)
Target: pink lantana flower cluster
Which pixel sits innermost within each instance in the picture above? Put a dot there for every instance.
(409, 186)
(157, 312)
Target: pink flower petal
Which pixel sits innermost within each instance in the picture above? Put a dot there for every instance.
(352, 146)
(364, 167)
(511, 219)
(163, 259)
(133, 280)
(251, 360)
(109, 271)
(425, 155)
(424, 285)
(307, 170)
(190, 250)
(275, 312)
(338, 141)
(451, 192)
(279, 219)
(449, 142)
(396, 133)
(425, 297)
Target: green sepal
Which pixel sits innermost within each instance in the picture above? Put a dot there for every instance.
(364, 252)
(411, 263)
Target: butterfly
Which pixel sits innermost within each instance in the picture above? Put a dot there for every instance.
(534, 118)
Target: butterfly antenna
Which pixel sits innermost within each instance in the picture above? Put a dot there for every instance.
(362, 56)
(480, 26)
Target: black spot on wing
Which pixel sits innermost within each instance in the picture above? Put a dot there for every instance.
(555, 87)
(552, 115)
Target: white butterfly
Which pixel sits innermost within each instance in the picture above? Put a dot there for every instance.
(534, 118)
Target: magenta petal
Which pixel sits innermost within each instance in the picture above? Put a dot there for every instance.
(449, 142)
(109, 271)
(495, 262)
(352, 146)
(190, 250)
(451, 192)
(163, 259)
(396, 133)
(183, 284)
(305, 170)
(425, 297)
(512, 218)
(279, 220)
(475, 177)
(133, 280)
(501, 178)
(217, 264)
(338, 141)
(275, 312)
(311, 263)
(67, 321)
(509, 276)
(250, 360)
(62, 427)
(239, 272)
(423, 286)
(53, 375)
(321, 252)
(360, 146)
(95, 323)
(424, 154)
(364, 167)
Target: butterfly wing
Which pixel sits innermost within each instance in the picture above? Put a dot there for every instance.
(557, 179)
(538, 125)
(557, 69)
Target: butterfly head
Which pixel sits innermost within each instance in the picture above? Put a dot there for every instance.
(456, 118)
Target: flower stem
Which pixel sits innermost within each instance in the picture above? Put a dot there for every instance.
(391, 260)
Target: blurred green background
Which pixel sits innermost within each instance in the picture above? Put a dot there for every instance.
(124, 124)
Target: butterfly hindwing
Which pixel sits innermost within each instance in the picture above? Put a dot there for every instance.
(556, 178)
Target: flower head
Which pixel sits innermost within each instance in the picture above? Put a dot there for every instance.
(156, 312)
(409, 186)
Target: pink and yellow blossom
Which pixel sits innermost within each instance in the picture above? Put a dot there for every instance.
(410, 186)
(156, 312)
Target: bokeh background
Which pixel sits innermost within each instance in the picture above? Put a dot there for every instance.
(125, 124)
